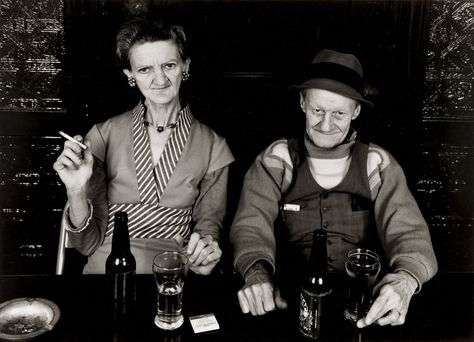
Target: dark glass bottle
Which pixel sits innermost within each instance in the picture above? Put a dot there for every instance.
(315, 288)
(122, 266)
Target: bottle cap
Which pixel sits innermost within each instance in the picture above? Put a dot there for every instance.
(121, 215)
(320, 234)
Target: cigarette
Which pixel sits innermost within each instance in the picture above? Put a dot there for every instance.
(68, 137)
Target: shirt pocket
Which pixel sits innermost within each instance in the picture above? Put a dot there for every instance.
(298, 220)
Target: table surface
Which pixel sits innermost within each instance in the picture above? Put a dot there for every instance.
(442, 311)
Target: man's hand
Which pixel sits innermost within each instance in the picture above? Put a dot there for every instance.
(391, 306)
(259, 299)
(203, 253)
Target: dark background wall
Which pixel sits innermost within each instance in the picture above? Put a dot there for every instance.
(57, 71)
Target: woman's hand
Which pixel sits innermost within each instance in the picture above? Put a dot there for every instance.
(74, 165)
(203, 253)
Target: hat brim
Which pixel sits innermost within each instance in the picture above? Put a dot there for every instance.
(334, 86)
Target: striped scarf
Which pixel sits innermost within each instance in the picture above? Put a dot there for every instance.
(148, 219)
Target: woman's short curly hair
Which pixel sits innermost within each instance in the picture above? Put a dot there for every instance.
(143, 29)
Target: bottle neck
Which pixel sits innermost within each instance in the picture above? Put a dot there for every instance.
(120, 237)
(318, 258)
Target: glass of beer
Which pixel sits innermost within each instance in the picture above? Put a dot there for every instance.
(169, 269)
(362, 268)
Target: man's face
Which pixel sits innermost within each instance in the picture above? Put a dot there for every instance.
(328, 116)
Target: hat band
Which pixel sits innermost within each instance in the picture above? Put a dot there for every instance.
(338, 73)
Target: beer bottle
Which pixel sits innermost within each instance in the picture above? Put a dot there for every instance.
(121, 265)
(315, 288)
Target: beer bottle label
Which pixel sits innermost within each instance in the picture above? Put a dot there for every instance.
(310, 313)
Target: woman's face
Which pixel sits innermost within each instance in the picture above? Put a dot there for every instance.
(158, 70)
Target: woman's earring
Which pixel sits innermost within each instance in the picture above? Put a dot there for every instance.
(185, 75)
(132, 82)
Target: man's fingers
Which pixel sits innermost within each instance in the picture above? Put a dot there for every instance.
(258, 293)
(244, 305)
(248, 293)
(394, 317)
(280, 303)
(385, 302)
(268, 302)
(380, 306)
(258, 299)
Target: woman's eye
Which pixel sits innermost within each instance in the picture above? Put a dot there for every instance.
(144, 70)
(169, 66)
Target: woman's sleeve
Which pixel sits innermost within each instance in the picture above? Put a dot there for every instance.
(88, 238)
(211, 205)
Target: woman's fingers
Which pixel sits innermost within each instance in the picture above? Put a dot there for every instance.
(202, 249)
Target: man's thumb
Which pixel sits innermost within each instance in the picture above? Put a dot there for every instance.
(280, 303)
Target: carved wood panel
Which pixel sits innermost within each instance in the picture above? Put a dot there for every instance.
(446, 181)
(31, 54)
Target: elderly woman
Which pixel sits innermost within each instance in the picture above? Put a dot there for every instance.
(157, 162)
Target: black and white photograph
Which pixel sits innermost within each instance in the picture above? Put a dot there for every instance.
(237, 170)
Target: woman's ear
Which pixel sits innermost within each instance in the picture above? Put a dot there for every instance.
(127, 73)
(187, 64)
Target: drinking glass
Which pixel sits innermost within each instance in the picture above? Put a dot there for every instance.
(169, 269)
(362, 268)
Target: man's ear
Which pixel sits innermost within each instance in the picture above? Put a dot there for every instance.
(356, 112)
(302, 101)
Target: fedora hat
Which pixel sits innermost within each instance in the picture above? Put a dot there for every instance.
(338, 72)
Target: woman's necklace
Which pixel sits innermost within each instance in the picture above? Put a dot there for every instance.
(160, 128)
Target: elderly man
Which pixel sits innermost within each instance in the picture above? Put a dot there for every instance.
(330, 180)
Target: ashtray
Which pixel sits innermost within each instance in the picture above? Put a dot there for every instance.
(23, 319)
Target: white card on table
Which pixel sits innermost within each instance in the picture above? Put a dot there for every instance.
(203, 323)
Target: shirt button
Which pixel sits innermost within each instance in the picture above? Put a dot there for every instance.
(326, 224)
(325, 209)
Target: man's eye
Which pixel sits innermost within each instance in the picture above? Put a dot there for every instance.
(317, 111)
(339, 114)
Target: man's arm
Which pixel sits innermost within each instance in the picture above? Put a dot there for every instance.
(401, 227)
(406, 240)
(252, 232)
